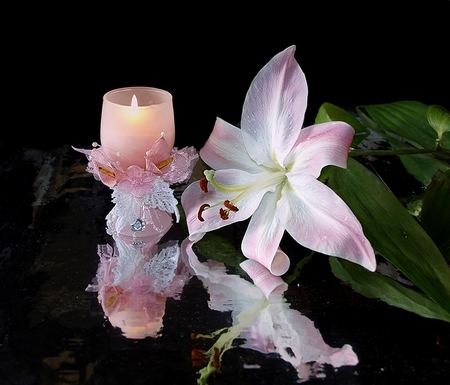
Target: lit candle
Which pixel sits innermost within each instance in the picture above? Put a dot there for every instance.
(133, 119)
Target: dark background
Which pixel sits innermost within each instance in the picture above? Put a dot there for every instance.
(60, 60)
(57, 63)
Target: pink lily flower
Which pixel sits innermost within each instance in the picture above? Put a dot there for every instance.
(268, 170)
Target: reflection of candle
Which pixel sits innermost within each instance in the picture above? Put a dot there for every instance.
(136, 324)
(132, 120)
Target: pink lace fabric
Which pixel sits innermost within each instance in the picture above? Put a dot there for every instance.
(140, 193)
(169, 164)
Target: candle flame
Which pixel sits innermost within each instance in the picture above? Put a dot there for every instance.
(134, 102)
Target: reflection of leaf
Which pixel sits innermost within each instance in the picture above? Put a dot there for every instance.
(392, 231)
(329, 112)
(218, 248)
(297, 269)
(373, 285)
(435, 214)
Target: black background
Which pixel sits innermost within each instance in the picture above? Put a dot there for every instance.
(60, 60)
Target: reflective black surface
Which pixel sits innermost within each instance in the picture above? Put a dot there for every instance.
(52, 331)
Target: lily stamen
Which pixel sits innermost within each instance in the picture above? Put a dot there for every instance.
(200, 211)
(204, 184)
(224, 214)
(230, 206)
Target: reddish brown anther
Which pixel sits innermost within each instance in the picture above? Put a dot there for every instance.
(200, 211)
(198, 358)
(204, 184)
(223, 213)
(230, 206)
(216, 359)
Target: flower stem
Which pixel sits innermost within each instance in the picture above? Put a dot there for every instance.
(353, 153)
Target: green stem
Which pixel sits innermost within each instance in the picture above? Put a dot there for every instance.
(391, 152)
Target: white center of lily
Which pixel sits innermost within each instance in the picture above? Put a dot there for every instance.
(238, 193)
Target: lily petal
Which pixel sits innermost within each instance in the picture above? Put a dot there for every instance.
(264, 232)
(320, 220)
(272, 286)
(225, 149)
(320, 145)
(274, 109)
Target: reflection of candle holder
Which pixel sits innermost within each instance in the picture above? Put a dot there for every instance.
(133, 286)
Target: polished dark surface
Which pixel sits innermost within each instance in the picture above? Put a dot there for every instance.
(54, 332)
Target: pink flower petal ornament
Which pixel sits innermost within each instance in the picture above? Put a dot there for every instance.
(267, 171)
(138, 192)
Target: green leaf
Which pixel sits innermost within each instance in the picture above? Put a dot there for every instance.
(373, 285)
(435, 213)
(406, 121)
(392, 231)
(329, 112)
(439, 119)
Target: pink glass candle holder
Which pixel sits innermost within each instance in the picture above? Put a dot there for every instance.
(132, 120)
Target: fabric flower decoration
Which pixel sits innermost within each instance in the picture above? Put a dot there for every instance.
(267, 170)
(137, 181)
(169, 164)
(139, 193)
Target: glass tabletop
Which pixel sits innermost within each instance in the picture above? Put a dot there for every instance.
(61, 323)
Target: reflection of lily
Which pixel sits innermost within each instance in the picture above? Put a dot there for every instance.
(267, 326)
(268, 170)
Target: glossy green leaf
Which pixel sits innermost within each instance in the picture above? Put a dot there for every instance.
(406, 121)
(329, 112)
(392, 231)
(435, 213)
(374, 285)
